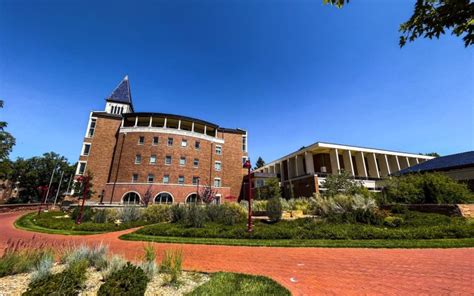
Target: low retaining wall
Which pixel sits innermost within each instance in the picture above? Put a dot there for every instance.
(7, 208)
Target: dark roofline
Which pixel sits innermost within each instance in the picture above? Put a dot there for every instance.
(231, 130)
(106, 115)
(174, 116)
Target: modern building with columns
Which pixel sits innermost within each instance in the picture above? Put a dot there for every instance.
(303, 172)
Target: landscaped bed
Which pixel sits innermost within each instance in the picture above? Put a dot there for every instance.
(410, 229)
(84, 270)
(58, 222)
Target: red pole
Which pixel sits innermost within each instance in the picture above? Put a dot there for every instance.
(42, 189)
(84, 194)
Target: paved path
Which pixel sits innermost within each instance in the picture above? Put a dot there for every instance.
(305, 271)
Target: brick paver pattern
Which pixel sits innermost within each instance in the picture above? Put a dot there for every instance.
(305, 271)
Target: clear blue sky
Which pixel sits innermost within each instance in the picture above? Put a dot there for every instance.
(289, 72)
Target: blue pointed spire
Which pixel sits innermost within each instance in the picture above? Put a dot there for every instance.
(122, 92)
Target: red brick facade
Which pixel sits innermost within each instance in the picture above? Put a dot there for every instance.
(113, 153)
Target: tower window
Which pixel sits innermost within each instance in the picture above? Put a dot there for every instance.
(197, 145)
(151, 178)
(90, 132)
(170, 141)
(155, 140)
(86, 149)
(168, 160)
(153, 159)
(217, 165)
(141, 140)
(134, 178)
(196, 162)
(81, 168)
(217, 182)
(218, 149)
(182, 161)
(184, 143)
(181, 180)
(166, 179)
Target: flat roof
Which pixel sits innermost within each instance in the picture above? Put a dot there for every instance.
(348, 147)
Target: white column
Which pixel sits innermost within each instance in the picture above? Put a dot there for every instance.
(384, 167)
(151, 121)
(308, 157)
(398, 163)
(121, 125)
(166, 122)
(361, 168)
(205, 129)
(179, 124)
(136, 121)
(334, 157)
(347, 159)
(192, 126)
(373, 167)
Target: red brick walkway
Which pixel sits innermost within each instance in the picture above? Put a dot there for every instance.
(306, 271)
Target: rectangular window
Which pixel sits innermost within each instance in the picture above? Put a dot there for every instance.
(197, 145)
(155, 140)
(166, 179)
(181, 180)
(184, 143)
(217, 182)
(182, 160)
(90, 132)
(244, 143)
(168, 160)
(86, 149)
(81, 168)
(196, 162)
(244, 159)
(218, 149)
(134, 178)
(153, 159)
(170, 141)
(217, 165)
(141, 140)
(138, 159)
(151, 178)
(195, 180)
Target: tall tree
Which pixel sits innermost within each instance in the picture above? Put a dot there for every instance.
(260, 163)
(37, 171)
(7, 141)
(435, 154)
(432, 18)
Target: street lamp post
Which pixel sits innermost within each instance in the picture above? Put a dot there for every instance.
(42, 190)
(248, 166)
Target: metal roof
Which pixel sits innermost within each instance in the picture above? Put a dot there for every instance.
(453, 161)
(121, 93)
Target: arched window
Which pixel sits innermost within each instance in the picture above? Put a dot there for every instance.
(193, 198)
(131, 198)
(164, 198)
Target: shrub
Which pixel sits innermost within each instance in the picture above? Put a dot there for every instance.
(399, 209)
(231, 214)
(285, 205)
(148, 264)
(172, 264)
(157, 213)
(68, 282)
(177, 213)
(343, 183)
(129, 280)
(274, 209)
(95, 256)
(195, 216)
(426, 188)
(114, 264)
(112, 214)
(391, 221)
(87, 213)
(348, 209)
(304, 204)
(42, 268)
(14, 261)
(100, 216)
(129, 214)
(259, 205)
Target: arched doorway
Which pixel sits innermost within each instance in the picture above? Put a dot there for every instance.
(193, 199)
(164, 198)
(131, 198)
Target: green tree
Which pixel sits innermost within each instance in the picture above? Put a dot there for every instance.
(426, 188)
(36, 171)
(81, 183)
(343, 183)
(432, 18)
(7, 141)
(435, 154)
(260, 163)
(269, 190)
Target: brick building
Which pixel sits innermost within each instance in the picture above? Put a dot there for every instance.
(169, 156)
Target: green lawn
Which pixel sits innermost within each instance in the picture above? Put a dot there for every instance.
(50, 223)
(368, 243)
(418, 230)
(224, 283)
